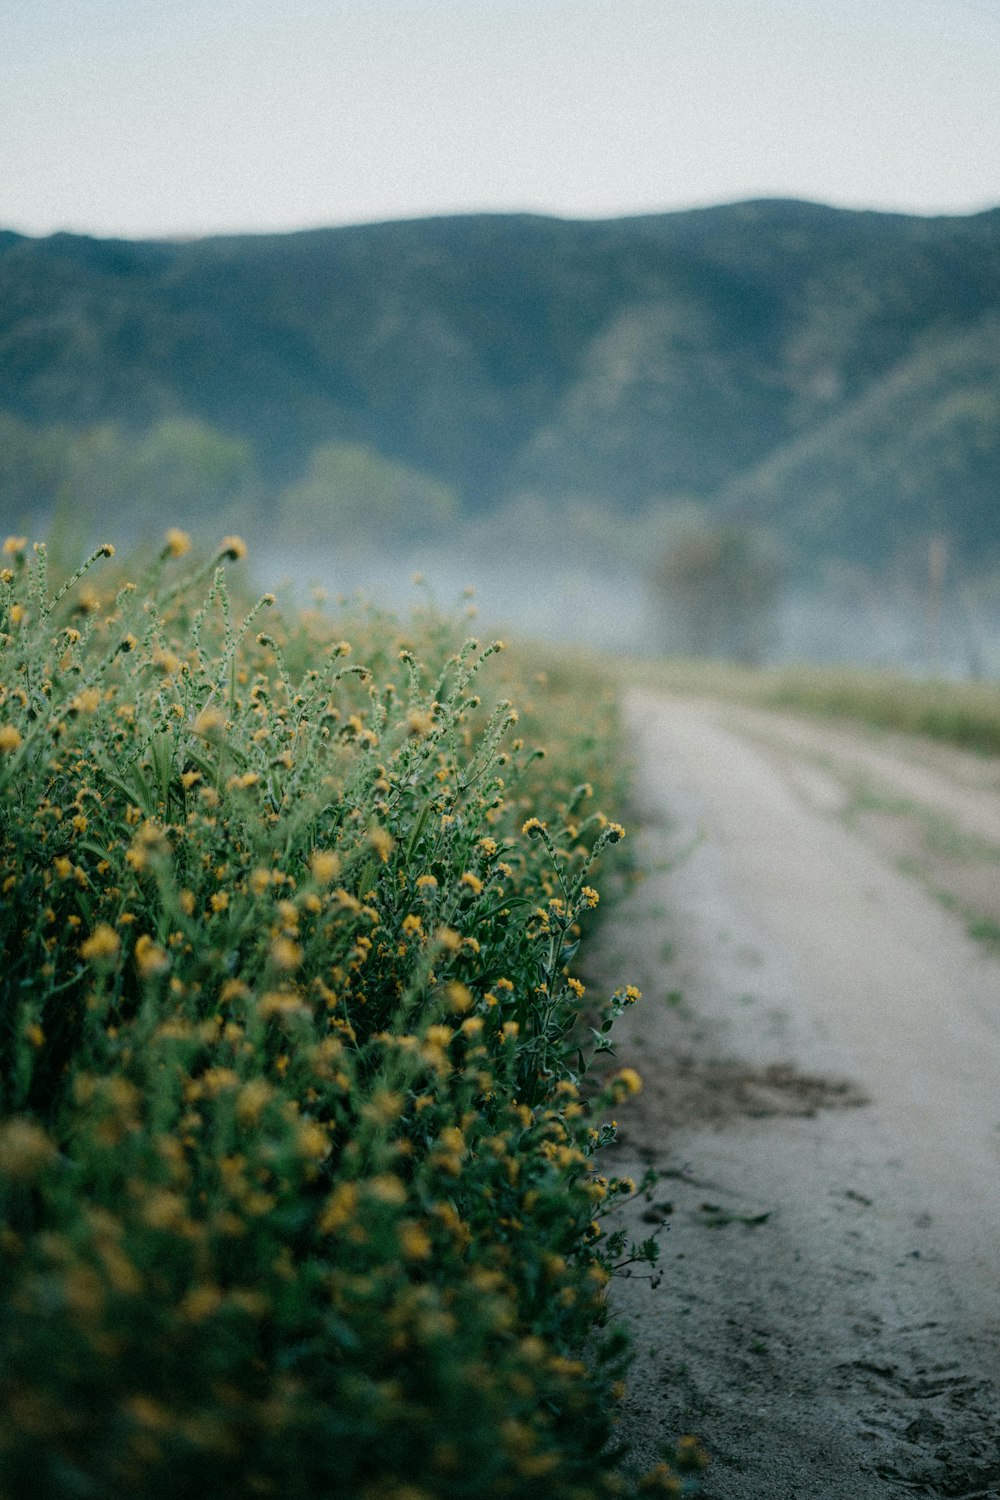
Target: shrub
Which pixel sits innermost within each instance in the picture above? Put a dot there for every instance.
(297, 1164)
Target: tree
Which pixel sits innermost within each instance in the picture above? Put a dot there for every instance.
(350, 497)
(718, 585)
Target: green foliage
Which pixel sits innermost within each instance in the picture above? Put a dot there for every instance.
(832, 370)
(913, 455)
(351, 497)
(298, 1189)
(179, 467)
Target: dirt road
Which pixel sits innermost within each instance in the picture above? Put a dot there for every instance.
(820, 1043)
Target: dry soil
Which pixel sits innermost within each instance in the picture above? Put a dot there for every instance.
(820, 1044)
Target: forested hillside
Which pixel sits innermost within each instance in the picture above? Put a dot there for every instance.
(833, 374)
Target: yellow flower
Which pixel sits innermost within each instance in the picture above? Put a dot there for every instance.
(381, 842)
(210, 723)
(10, 739)
(339, 1209)
(200, 1303)
(311, 1141)
(325, 865)
(234, 547)
(163, 1209)
(103, 943)
(472, 881)
(285, 954)
(168, 662)
(414, 1242)
(419, 723)
(87, 702)
(459, 996)
(14, 545)
(629, 1080)
(150, 959)
(25, 1150)
(177, 542)
(219, 900)
(252, 1099)
(387, 1189)
(280, 1003)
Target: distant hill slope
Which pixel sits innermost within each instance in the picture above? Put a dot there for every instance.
(834, 373)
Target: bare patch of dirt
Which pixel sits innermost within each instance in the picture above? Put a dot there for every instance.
(694, 1090)
(820, 1043)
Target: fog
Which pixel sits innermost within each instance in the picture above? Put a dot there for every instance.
(882, 620)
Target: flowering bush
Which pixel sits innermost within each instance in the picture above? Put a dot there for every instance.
(297, 1172)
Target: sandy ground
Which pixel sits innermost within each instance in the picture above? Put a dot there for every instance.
(820, 1043)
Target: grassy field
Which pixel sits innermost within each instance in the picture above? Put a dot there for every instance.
(959, 713)
(301, 1102)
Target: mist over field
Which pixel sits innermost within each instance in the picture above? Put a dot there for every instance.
(765, 432)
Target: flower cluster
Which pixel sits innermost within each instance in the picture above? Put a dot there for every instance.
(297, 1180)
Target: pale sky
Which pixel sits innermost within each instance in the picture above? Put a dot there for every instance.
(174, 117)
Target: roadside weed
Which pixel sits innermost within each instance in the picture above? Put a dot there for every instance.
(298, 1192)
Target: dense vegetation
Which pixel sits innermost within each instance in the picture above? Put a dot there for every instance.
(300, 1192)
(834, 374)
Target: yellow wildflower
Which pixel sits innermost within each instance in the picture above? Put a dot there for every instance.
(459, 996)
(419, 723)
(103, 943)
(177, 542)
(10, 739)
(285, 954)
(150, 958)
(252, 1100)
(25, 1150)
(210, 723)
(381, 842)
(325, 865)
(414, 1242)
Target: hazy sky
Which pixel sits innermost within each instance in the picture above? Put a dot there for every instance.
(141, 117)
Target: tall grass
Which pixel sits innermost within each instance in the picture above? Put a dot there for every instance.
(299, 1126)
(959, 713)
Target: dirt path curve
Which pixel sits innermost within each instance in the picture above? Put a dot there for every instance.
(820, 1043)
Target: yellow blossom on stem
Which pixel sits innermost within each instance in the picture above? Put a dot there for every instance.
(150, 958)
(102, 945)
(176, 542)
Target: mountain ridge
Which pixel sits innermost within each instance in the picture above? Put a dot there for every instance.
(706, 354)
